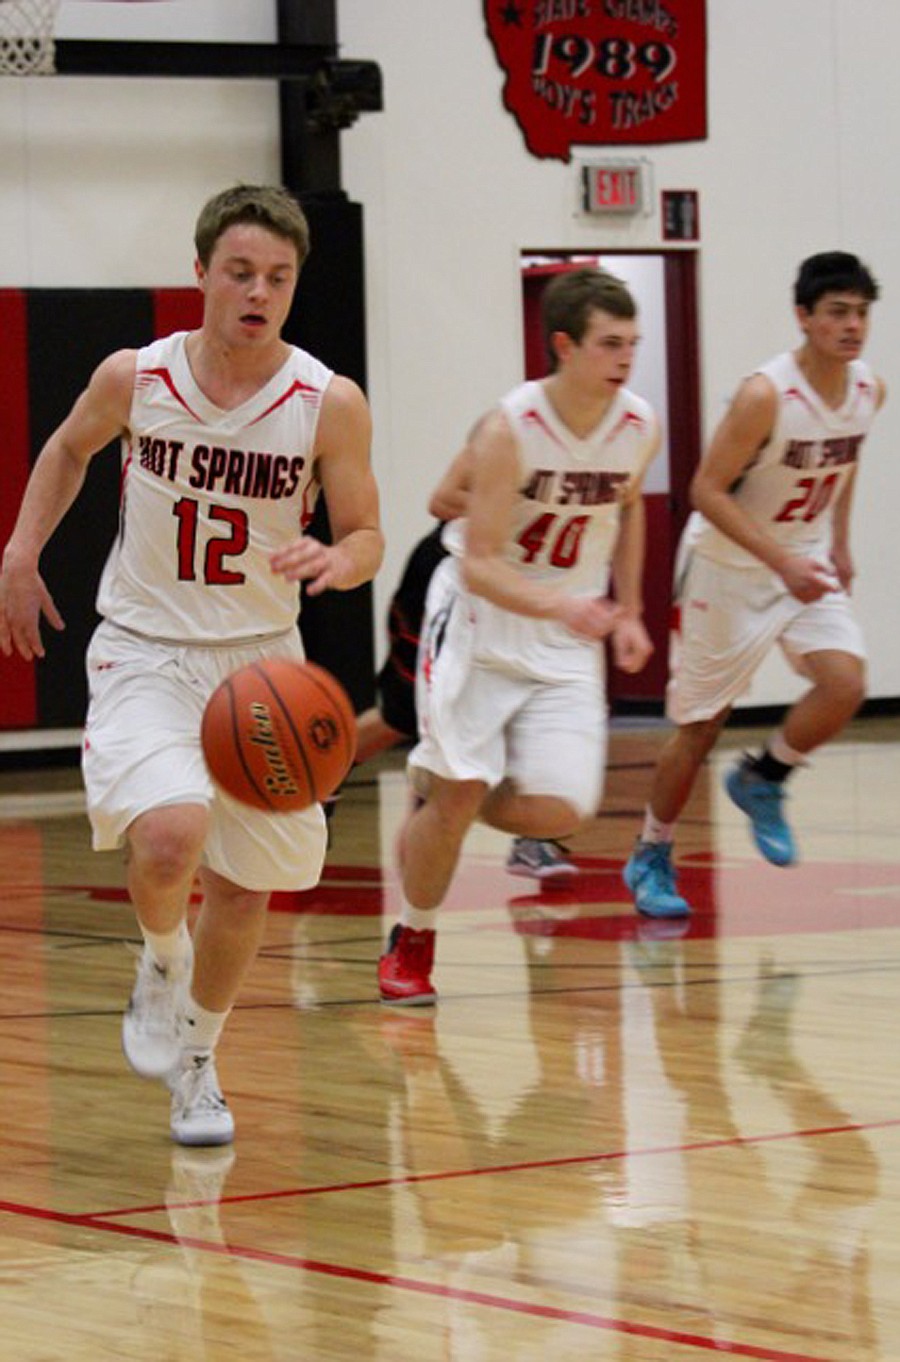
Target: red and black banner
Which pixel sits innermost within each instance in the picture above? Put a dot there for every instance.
(50, 341)
(601, 72)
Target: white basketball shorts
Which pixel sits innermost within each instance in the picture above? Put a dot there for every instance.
(142, 751)
(487, 723)
(730, 620)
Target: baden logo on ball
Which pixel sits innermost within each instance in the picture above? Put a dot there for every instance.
(279, 781)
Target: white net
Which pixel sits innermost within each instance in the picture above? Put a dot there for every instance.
(26, 37)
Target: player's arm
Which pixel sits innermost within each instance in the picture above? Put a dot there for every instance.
(343, 441)
(841, 556)
(631, 643)
(496, 481)
(741, 434)
(99, 415)
(450, 499)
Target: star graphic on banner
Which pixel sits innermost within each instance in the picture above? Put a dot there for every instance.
(511, 14)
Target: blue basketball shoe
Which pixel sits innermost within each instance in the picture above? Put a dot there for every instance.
(762, 801)
(650, 876)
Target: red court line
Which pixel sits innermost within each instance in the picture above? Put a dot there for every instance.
(530, 1308)
(528, 1166)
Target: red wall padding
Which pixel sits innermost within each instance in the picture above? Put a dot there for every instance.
(18, 703)
(176, 309)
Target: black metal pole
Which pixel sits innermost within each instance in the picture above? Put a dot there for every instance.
(329, 313)
(310, 154)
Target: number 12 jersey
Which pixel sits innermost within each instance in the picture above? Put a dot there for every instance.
(207, 495)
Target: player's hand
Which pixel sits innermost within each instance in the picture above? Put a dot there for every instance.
(631, 644)
(843, 566)
(308, 560)
(592, 617)
(808, 579)
(23, 600)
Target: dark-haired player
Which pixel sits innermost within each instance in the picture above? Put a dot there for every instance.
(769, 563)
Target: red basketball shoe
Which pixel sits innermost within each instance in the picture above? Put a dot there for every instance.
(405, 968)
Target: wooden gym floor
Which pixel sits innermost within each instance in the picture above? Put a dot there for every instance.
(610, 1139)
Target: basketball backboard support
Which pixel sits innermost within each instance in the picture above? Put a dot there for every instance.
(337, 91)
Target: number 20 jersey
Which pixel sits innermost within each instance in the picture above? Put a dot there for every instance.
(207, 495)
(793, 485)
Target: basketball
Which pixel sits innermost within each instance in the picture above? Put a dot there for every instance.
(279, 735)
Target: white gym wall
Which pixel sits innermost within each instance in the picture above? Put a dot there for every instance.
(100, 181)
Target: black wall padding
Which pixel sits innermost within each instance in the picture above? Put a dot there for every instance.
(69, 332)
(328, 319)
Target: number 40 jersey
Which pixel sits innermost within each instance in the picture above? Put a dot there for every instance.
(207, 496)
(565, 524)
(567, 518)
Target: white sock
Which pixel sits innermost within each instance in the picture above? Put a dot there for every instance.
(169, 948)
(200, 1029)
(654, 830)
(419, 919)
(788, 756)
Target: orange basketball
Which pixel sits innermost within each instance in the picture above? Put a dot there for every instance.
(279, 735)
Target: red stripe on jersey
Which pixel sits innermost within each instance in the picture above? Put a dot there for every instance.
(798, 396)
(310, 496)
(19, 688)
(628, 418)
(145, 377)
(302, 390)
(532, 417)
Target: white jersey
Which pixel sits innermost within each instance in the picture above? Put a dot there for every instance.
(793, 485)
(207, 496)
(566, 520)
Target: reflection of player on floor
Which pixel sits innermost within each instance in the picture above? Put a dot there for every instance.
(393, 719)
(509, 682)
(227, 433)
(769, 562)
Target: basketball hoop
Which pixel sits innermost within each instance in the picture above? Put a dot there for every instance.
(26, 37)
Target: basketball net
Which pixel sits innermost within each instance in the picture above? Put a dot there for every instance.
(26, 37)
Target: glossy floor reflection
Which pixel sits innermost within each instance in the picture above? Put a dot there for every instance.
(611, 1139)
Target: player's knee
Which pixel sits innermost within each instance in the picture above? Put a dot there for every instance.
(454, 806)
(233, 905)
(544, 816)
(562, 819)
(845, 686)
(852, 693)
(167, 843)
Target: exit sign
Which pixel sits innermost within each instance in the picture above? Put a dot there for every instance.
(612, 187)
